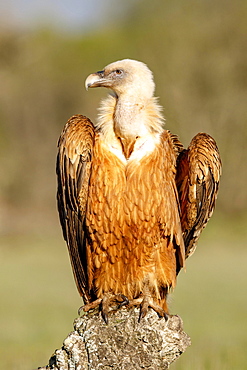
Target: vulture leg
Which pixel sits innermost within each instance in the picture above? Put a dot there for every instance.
(146, 301)
(91, 306)
(108, 300)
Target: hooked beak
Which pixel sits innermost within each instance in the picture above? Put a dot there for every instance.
(95, 80)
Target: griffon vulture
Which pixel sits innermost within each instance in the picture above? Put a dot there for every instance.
(132, 201)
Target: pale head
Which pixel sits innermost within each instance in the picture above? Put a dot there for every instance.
(125, 77)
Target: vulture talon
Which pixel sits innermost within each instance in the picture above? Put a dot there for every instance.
(104, 314)
(146, 302)
(144, 307)
(79, 310)
(104, 303)
(142, 314)
(124, 302)
(165, 316)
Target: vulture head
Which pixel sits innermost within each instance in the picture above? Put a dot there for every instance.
(125, 77)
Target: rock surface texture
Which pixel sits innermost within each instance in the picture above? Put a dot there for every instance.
(124, 343)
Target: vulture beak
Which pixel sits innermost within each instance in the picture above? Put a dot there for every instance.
(95, 80)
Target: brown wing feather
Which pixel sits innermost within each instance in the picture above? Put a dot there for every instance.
(74, 157)
(198, 173)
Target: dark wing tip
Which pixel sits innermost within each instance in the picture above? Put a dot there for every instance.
(75, 149)
(198, 174)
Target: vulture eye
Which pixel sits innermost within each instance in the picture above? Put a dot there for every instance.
(119, 71)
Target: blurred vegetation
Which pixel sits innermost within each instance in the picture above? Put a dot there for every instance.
(197, 51)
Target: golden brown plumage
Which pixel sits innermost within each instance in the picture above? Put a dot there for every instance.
(197, 178)
(132, 202)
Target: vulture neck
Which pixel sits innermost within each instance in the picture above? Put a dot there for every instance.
(130, 118)
(125, 120)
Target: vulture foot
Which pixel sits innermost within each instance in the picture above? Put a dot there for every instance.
(108, 300)
(145, 302)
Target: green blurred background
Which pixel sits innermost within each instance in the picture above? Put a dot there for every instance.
(197, 51)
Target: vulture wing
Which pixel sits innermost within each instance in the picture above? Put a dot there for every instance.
(198, 173)
(75, 149)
